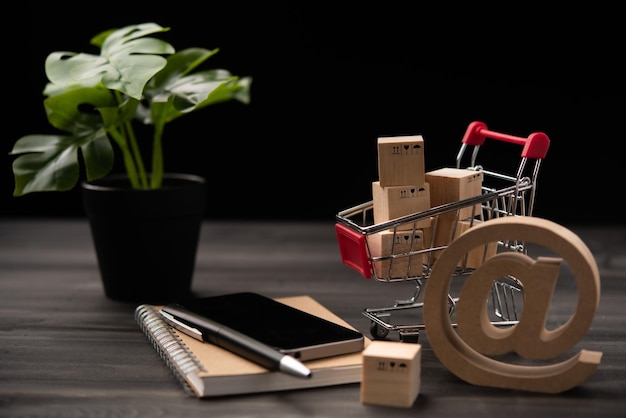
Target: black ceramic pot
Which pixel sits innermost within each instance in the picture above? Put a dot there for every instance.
(146, 240)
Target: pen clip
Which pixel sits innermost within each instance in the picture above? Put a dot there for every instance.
(181, 326)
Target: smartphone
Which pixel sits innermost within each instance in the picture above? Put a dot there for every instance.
(289, 330)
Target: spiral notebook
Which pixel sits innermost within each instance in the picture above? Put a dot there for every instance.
(206, 370)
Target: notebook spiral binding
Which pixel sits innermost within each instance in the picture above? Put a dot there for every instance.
(168, 344)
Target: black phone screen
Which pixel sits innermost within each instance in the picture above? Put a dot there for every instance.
(278, 325)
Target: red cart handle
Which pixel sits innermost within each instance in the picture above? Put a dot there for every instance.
(535, 146)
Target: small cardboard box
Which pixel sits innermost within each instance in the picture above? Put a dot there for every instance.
(449, 185)
(401, 160)
(386, 243)
(391, 373)
(395, 201)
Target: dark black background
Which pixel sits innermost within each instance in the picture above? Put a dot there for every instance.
(328, 81)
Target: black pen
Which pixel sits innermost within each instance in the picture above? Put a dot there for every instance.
(206, 330)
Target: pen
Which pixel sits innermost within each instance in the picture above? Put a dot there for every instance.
(206, 330)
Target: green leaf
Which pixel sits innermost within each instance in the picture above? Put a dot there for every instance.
(98, 156)
(182, 63)
(76, 111)
(114, 117)
(127, 62)
(181, 91)
(50, 162)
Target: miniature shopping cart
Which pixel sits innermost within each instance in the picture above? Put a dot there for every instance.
(412, 248)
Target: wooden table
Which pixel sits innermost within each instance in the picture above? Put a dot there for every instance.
(66, 350)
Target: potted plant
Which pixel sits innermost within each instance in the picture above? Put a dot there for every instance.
(97, 101)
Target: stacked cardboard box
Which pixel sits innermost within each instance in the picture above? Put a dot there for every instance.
(404, 187)
(400, 190)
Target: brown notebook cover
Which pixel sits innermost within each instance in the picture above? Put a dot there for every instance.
(208, 371)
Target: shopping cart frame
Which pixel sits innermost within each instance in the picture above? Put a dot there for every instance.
(355, 228)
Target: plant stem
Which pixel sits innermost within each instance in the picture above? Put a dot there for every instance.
(157, 157)
(129, 163)
(136, 153)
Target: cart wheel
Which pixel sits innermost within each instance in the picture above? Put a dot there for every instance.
(377, 331)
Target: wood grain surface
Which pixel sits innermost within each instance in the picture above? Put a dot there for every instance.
(66, 350)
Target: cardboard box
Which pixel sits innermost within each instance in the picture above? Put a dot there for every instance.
(396, 201)
(432, 240)
(454, 184)
(477, 256)
(448, 230)
(391, 373)
(386, 243)
(401, 160)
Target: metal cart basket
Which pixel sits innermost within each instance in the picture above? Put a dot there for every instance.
(413, 248)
